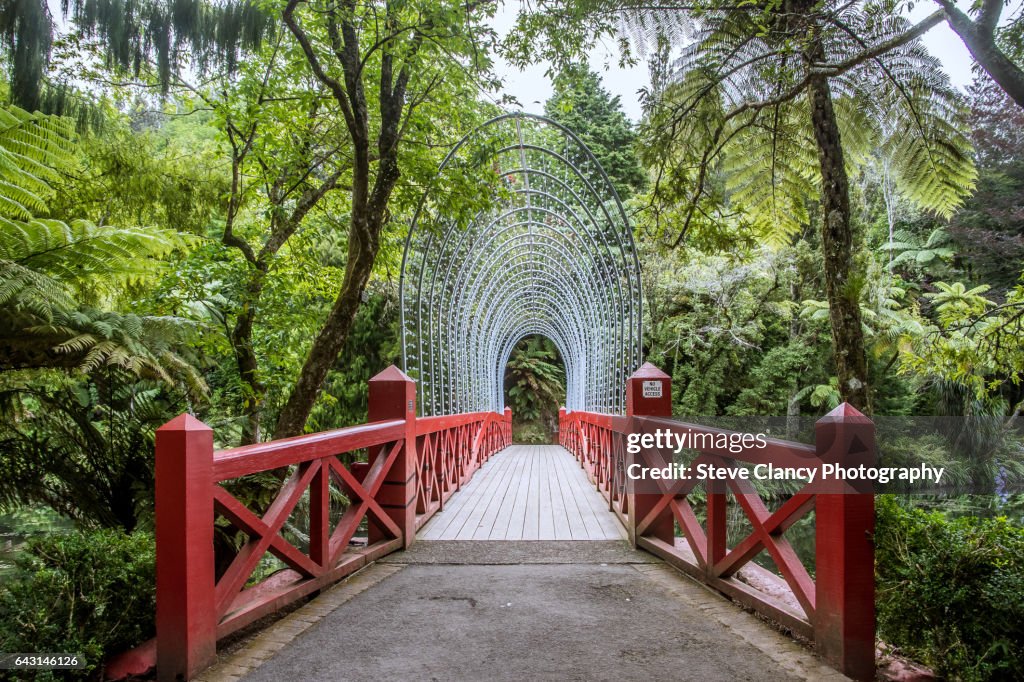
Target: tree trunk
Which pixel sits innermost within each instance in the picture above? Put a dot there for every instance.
(980, 40)
(248, 363)
(362, 251)
(842, 286)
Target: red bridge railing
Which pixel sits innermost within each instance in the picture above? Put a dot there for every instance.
(364, 491)
(835, 608)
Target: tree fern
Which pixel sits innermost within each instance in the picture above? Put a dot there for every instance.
(78, 255)
(33, 148)
(147, 346)
(737, 106)
(87, 258)
(49, 268)
(908, 247)
(83, 447)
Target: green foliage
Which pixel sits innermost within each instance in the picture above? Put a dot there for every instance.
(822, 395)
(531, 432)
(931, 448)
(33, 147)
(771, 381)
(908, 248)
(971, 340)
(535, 380)
(951, 592)
(26, 34)
(91, 593)
(84, 448)
(134, 37)
(726, 328)
(737, 114)
(85, 260)
(372, 345)
(161, 169)
(584, 107)
(48, 268)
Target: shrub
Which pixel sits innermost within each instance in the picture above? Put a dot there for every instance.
(950, 592)
(91, 593)
(531, 432)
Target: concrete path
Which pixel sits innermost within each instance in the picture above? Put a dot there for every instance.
(610, 614)
(526, 492)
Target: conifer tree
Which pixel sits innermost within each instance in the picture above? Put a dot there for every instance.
(582, 105)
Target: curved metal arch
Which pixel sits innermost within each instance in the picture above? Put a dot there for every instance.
(552, 254)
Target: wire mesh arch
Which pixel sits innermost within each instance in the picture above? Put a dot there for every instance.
(550, 252)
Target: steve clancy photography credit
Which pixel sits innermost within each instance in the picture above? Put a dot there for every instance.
(502, 340)
(734, 443)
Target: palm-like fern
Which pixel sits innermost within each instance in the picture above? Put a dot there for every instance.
(907, 248)
(49, 267)
(83, 448)
(737, 112)
(33, 147)
(79, 257)
(955, 302)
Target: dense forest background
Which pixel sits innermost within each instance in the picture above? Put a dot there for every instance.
(203, 207)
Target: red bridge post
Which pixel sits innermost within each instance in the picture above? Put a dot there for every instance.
(844, 613)
(392, 395)
(186, 620)
(648, 394)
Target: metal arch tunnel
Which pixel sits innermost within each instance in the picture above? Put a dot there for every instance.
(550, 251)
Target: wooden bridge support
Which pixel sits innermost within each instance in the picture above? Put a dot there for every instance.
(393, 396)
(836, 606)
(195, 607)
(648, 394)
(844, 611)
(186, 613)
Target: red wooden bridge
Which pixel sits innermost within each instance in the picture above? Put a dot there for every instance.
(371, 490)
(551, 255)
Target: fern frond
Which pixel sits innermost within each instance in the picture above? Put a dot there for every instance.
(33, 148)
(84, 256)
(150, 347)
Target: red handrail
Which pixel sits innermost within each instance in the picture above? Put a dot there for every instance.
(836, 607)
(387, 501)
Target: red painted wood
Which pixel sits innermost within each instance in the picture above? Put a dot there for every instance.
(715, 509)
(387, 491)
(252, 459)
(838, 607)
(185, 613)
(844, 622)
(637, 405)
(393, 396)
(319, 517)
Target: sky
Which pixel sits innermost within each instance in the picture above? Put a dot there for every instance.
(531, 87)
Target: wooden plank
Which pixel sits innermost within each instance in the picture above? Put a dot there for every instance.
(526, 492)
(492, 489)
(485, 526)
(462, 505)
(503, 519)
(546, 522)
(577, 526)
(447, 524)
(559, 513)
(581, 494)
(603, 525)
(517, 520)
(531, 520)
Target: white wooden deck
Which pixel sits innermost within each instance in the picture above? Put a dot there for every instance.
(526, 492)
